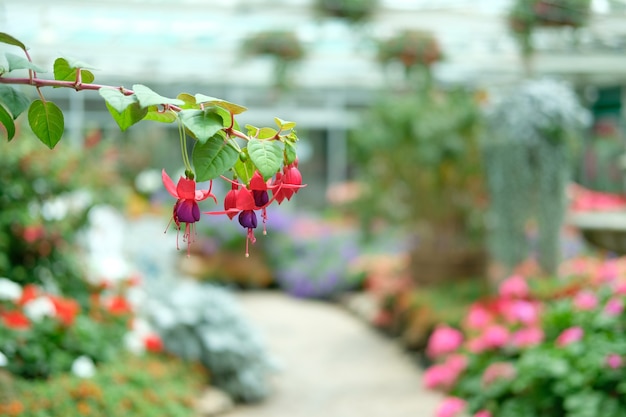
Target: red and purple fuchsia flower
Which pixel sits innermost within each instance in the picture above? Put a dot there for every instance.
(186, 208)
(245, 200)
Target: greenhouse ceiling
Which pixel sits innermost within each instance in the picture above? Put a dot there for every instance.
(199, 40)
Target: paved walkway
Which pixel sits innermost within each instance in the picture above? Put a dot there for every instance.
(334, 365)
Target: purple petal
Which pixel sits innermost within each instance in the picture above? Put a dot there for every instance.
(188, 211)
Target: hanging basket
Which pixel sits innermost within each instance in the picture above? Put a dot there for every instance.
(411, 48)
(353, 11)
(283, 45)
(527, 14)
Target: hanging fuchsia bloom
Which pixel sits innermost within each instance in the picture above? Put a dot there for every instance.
(186, 208)
(289, 182)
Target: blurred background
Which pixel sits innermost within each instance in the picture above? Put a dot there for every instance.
(446, 145)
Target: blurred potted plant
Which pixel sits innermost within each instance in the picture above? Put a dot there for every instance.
(417, 155)
(282, 46)
(534, 133)
(353, 11)
(412, 48)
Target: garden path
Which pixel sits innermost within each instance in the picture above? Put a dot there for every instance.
(333, 364)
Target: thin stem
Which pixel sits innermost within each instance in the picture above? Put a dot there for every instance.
(38, 82)
(183, 145)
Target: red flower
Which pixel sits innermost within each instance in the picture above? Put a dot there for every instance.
(29, 292)
(186, 208)
(153, 343)
(288, 182)
(118, 305)
(245, 201)
(66, 309)
(15, 319)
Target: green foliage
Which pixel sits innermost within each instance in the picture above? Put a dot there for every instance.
(43, 203)
(202, 116)
(418, 160)
(551, 375)
(201, 322)
(139, 386)
(534, 133)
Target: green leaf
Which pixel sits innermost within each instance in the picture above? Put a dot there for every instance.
(160, 116)
(116, 99)
(6, 38)
(252, 130)
(244, 169)
(203, 124)
(283, 124)
(17, 62)
(212, 158)
(267, 155)
(7, 121)
(46, 121)
(75, 63)
(129, 116)
(267, 133)
(290, 153)
(190, 101)
(148, 98)
(15, 100)
(231, 107)
(63, 71)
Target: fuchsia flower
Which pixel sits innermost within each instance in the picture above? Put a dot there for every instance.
(495, 336)
(585, 300)
(451, 407)
(245, 201)
(478, 317)
(186, 208)
(444, 340)
(496, 371)
(614, 361)
(290, 181)
(443, 376)
(527, 337)
(483, 413)
(614, 306)
(514, 287)
(569, 336)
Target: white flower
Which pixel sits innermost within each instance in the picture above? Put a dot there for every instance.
(9, 290)
(3, 360)
(83, 367)
(134, 343)
(39, 308)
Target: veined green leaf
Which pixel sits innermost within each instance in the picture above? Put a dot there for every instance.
(6, 38)
(231, 107)
(203, 124)
(46, 121)
(129, 116)
(267, 156)
(212, 158)
(7, 121)
(116, 99)
(283, 124)
(17, 62)
(64, 72)
(160, 116)
(148, 98)
(14, 100)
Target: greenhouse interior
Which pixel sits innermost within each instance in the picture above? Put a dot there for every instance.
(254, 208)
